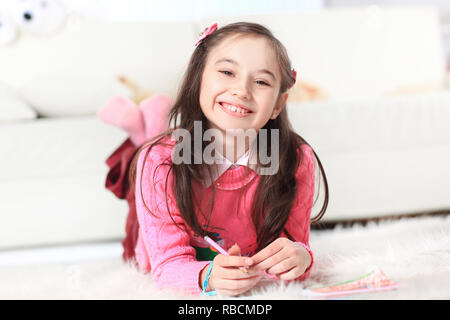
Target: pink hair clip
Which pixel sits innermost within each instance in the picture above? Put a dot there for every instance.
(294, 74)
(206, 33)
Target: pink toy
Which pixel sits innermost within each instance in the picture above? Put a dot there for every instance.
(374, 281)
(141, 122)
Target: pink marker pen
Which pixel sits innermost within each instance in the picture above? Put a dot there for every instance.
(222, 250)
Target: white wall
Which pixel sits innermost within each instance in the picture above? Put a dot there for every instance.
(185, 9)
(442, 5)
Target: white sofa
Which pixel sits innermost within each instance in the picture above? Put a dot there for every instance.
(384, 153)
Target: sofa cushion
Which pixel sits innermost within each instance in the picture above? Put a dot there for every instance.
(57, 147)
(420, 120)
(59, 209)
(71, 94)
(151, 54)
(13, 107)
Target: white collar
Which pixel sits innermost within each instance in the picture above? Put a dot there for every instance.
(225, 164)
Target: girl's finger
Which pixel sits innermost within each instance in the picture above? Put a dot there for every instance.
(267, 252)
(233, 261)
(235, 273)
(291, 274)
(231, 293)
(236, 286)
(235, 250)
(271, 261)
(283, 266)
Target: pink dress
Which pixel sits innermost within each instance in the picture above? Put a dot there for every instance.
(175, 255)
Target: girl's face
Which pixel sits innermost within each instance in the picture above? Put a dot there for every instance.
(240, 84)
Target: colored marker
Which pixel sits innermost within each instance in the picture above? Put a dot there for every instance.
(221, 250)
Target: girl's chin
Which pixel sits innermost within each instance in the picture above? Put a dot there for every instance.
(235, 130)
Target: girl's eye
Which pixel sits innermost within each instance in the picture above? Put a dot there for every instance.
(227, 73)
(263, 83)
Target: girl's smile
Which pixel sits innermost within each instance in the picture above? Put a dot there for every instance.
(235, 109)
(240, 87)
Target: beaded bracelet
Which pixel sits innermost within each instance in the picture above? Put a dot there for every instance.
(205, 282)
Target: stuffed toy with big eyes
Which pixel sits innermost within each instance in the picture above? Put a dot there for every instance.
(38, 17)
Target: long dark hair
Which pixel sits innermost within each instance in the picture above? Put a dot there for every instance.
(275, 194)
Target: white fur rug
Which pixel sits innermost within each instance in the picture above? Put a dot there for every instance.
(414, 252)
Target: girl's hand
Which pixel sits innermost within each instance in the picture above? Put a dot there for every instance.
(283, 258)
(226, 277)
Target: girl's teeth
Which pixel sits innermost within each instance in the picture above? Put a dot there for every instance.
(235, 109)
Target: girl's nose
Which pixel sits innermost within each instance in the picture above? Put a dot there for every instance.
(241, 92)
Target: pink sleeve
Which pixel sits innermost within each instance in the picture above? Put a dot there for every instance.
(172, 258)
(299, 220)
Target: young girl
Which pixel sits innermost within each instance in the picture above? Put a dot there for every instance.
(237, 78)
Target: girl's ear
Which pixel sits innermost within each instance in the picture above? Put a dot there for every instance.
(281, 104)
